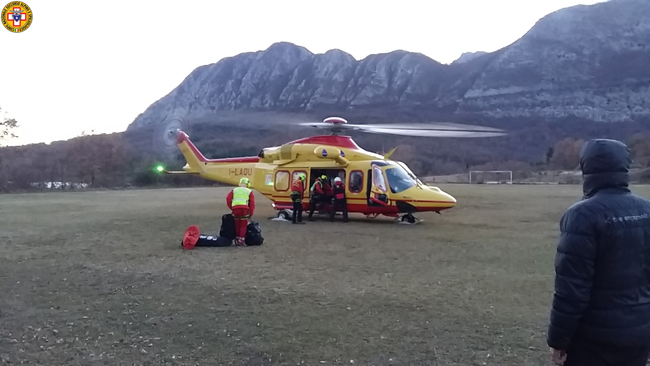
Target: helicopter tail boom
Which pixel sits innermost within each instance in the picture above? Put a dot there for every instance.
(225, 170)
(195, 158)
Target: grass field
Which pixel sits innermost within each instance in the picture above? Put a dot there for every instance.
(99, 278)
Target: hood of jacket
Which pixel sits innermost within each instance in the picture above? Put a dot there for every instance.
(605, 164)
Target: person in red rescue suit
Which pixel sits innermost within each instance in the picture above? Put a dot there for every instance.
(339, 201)
(241, 202)
(318, 194)
(297, 191)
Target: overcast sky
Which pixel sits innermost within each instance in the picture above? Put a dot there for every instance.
(85, 65)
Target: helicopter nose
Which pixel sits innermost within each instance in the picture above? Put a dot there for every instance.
(451, 198)
(443, 197)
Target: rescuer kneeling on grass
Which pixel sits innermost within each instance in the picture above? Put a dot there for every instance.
(241, 202)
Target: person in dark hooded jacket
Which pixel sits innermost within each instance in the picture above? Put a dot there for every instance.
(601, 306)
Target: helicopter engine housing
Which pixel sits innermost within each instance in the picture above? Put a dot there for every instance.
(329, 152)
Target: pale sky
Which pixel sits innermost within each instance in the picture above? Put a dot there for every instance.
(85, 65)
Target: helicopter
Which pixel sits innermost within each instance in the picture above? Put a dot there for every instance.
(375, 184)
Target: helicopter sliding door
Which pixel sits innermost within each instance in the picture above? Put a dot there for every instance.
(378, 193)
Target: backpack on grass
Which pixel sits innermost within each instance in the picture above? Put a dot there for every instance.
(228, 226)
(254, 234)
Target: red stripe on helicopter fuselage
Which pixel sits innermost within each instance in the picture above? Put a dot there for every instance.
(364, 200)
(361, 207)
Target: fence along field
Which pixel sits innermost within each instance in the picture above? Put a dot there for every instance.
(637, 176)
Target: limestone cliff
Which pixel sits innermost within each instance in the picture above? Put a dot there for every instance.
(591, 62)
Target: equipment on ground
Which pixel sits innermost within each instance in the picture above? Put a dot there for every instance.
(227, 229)
(254, 234)
(194, 238)
(375, 185)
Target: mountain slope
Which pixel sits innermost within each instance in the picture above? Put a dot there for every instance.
(288, 77)
(588, 62)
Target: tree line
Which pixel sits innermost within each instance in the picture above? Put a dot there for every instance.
(129, 158)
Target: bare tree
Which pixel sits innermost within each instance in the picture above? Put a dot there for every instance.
(640, 146)
(566, 153)
(6, 128)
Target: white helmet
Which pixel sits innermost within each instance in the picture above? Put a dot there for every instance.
(337, 179)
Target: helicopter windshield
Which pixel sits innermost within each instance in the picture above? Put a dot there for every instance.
(399, 179)
(409, 171)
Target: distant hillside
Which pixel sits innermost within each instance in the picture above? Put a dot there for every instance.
(589, 62)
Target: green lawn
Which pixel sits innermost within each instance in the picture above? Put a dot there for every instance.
(99, 278)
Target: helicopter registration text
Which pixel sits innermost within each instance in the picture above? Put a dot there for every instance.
(240, 171)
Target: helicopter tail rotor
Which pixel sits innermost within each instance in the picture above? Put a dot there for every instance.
(166, 135)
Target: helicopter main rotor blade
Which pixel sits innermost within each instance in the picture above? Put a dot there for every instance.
(434, 126)
(317, 124)
(433, 133)
(437, 129)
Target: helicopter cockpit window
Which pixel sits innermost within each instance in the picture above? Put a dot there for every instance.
(406, 168)
(410, 172)
(399, 180)
(356, 181)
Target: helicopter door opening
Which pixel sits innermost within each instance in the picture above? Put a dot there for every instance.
(329, 173)
(378, 192)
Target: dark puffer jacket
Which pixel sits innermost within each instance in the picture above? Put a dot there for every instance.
(602, 265)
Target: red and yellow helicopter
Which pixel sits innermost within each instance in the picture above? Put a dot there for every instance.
(375, 185)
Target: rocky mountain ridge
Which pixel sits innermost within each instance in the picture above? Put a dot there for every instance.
(588, 62)
(466, 56)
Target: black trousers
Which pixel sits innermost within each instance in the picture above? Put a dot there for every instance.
(297, 208)
(583, 352)
(341, 205)
(314, 200)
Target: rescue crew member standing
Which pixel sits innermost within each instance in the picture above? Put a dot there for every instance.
(297, 190)
(317, 194)
(241, 202)
(339, 201)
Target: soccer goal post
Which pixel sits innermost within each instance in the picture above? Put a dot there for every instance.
(490, 177)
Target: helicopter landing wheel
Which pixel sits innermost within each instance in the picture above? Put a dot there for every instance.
(408, 218)
(285, 214)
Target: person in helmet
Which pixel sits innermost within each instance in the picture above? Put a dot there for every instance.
(297, 190)
(339, 201)
(329, 193)
(318, 194)
(241, 202)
